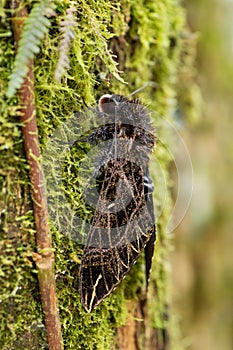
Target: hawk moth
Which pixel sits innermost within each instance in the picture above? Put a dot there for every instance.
(123, 223)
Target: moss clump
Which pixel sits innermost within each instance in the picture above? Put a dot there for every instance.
(118, 47)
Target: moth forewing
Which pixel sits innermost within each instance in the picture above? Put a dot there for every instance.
(123, 222)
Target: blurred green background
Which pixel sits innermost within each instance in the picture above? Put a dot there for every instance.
(202, 276)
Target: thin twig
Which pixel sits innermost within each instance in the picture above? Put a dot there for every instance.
(45, 259)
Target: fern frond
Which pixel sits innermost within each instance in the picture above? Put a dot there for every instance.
(35, 27)
(67, 34)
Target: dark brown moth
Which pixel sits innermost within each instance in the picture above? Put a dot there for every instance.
(123, 223)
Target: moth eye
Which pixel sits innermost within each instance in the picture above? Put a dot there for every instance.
(107, 104)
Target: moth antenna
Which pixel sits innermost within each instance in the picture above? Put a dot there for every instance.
(88, 107)
(84, 102)
(149, 83)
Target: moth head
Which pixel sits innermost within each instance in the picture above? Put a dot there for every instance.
(121, 109)
(108, 103)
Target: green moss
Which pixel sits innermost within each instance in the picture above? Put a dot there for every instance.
(115, 43)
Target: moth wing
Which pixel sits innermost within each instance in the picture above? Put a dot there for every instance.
(123, 224)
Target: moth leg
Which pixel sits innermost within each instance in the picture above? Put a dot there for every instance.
(149, 251)
(149, 248)
(148, 183)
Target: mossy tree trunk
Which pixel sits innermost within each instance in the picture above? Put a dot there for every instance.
(87, 49)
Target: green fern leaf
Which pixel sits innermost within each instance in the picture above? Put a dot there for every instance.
(35, 27)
